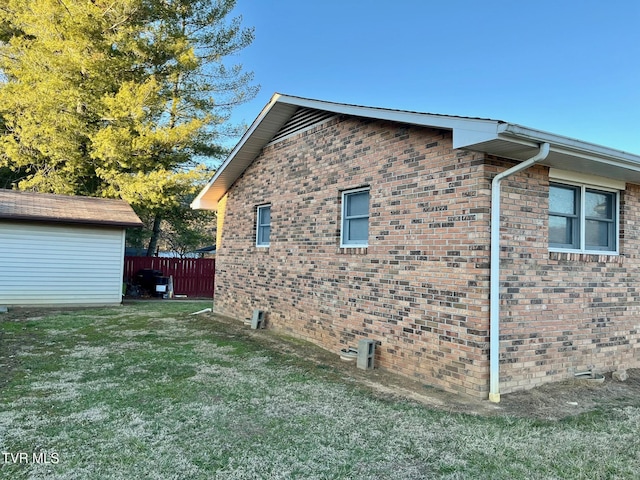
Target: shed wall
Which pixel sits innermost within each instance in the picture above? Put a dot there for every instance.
(48, 264)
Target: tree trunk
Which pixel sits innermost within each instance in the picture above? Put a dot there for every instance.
(155, 235)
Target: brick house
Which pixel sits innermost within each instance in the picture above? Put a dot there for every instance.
(345, 222)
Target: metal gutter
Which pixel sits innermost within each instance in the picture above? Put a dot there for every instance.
(494, 331)
(562, 144)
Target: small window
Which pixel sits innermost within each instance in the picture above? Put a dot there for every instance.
(582, 218)
(600, 220)
(564, 226)
(355, 218)
(263, 226)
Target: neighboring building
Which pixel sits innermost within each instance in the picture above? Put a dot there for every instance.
(344, 222)
(206, 252)
(61, 250)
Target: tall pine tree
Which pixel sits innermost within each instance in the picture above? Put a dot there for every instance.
(118, 98)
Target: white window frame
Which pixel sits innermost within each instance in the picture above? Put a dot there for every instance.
(260, 226)
(582, 187)
(345, 242)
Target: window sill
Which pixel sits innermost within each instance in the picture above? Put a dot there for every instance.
(587, 257)
(352, 250)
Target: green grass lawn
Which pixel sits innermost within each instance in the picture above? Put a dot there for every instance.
(149, 391)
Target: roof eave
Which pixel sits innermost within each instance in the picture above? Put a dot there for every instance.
(519, 143)
(279, 109)
(493, 137)
(71, 221)
(208, 197)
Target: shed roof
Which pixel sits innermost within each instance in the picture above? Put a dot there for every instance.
(494, 137)
(47, 207)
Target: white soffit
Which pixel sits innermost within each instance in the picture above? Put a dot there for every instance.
(521, 143)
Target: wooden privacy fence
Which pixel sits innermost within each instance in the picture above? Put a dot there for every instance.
(192, 277)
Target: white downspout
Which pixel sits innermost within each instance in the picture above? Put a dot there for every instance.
(494, 332)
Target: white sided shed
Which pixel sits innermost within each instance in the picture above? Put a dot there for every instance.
(62, 250)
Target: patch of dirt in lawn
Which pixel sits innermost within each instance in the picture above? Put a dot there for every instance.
(551, 402)
(571, 397)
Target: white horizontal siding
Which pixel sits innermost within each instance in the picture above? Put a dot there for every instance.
(42, 264)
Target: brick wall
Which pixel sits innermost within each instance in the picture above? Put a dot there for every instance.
(563, 313)
(421, 287)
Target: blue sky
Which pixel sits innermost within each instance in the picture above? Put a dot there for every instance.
(570, 67)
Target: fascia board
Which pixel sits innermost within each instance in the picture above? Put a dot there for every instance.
(256, 138)
(569, 146)
(447, 122)
(522, 136)
(201, 202)
(467, 133)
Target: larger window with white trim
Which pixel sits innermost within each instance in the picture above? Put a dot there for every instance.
(355, 218)
(583, 219)
(263, 226)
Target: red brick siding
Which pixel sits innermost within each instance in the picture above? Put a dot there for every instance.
(421, 287)
(562, 312)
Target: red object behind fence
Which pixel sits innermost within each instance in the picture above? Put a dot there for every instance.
(192, 277)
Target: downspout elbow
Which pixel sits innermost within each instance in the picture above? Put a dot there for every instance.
(494, 277)
(543, 153)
